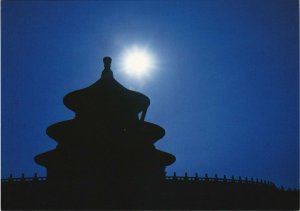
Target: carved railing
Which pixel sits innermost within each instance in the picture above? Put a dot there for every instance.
(174, 178)
(35, 178)
(223, 179)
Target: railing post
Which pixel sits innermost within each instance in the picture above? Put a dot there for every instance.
(23, 177)
(206, 177)
(186, 176)
(240, 179)
(252, 180)
(10, 178)
(246, 180)
(224, 179)
(174, 176)
(35, 177)
(216, 177)
(232, 179)
(196, 176)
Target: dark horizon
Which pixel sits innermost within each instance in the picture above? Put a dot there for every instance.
(225, 87)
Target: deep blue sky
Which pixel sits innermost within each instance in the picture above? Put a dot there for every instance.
(225, 90)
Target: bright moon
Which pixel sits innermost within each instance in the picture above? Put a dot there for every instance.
(137, 62)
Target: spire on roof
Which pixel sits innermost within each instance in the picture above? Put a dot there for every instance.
(107, 62)
(107, 73)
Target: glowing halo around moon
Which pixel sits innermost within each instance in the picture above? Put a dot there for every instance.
(137, 62)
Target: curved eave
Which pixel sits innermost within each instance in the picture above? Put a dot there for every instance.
(62, 130)
(150, 132)
(165, 158)
(47, 158)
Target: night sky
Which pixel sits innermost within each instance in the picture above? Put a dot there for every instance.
(225, 86)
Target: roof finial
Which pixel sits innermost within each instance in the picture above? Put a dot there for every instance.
(107, 62)
(107, 73)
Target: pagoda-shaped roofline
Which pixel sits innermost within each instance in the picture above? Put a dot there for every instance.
(106, 93)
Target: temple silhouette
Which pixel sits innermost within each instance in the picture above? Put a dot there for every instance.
(105, 158)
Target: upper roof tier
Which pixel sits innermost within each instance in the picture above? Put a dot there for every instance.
(106, 95)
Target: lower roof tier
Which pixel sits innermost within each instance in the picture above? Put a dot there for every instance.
(78, 159)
